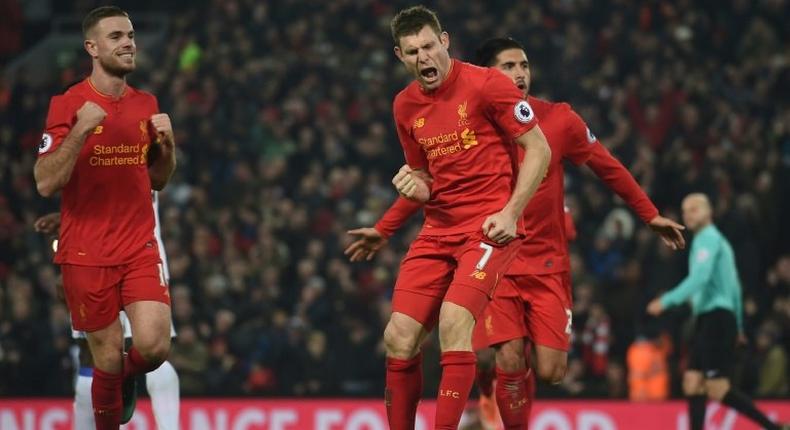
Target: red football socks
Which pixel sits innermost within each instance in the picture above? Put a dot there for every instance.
(134, 364)
(106, 398)
(404, 387)
(458, 376)
(531, 385)
(511, 396)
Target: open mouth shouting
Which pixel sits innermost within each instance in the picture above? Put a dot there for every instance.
(429, 74)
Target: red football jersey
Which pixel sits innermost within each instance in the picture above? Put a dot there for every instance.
(106, 213)
(462, 133)
(545, 249)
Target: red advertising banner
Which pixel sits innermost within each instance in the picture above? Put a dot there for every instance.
(294, 414)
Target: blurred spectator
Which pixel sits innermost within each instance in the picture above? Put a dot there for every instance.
(190, 357)
(773, 378)
(595, 340)
(648, 373)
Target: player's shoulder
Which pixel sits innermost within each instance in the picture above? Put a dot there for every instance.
(484, 75)
(542, 104)
(474, 70)
(481, 80)
(70, 99)
(405, 97)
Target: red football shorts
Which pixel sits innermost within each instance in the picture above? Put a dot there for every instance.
(95, 295)
(463, 269)
(537, 307)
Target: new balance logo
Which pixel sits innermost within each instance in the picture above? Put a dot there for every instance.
(478, 274)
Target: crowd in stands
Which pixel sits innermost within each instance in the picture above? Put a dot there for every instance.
(282, 114)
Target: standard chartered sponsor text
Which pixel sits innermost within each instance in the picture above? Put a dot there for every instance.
(442, 138)
(432, 151)
(118, 155)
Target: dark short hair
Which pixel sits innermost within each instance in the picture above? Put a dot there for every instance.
(410, 21)
(93, 17)
(486, 54)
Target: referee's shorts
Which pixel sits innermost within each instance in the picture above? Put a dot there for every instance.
(713, 344)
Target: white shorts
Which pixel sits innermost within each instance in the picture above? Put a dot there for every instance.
(127, 328)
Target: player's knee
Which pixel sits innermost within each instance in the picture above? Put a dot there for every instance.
(455, 334)
(551, 372)
(400, 341)
(107, 359)
(154, 351)
(510, 357)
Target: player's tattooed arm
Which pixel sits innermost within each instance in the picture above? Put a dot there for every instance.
(501, 226)
(413, 184)
(162, 154)
(53, 171)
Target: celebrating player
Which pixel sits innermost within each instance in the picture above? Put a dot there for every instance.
(457, 124)
(714, 290)
(162, 383)
(106, 146)
(534, 300)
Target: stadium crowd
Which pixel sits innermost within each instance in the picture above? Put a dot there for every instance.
(284, 127)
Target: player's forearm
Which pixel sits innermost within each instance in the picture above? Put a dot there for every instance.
(162, 167)
(620, 180)
(53, 171)
(397, 215)
(531, 171)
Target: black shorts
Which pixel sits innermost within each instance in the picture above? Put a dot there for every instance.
(713, 345)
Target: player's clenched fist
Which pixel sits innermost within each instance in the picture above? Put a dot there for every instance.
(412, 184)
(500, 227)
(163, 128)
(90, 115)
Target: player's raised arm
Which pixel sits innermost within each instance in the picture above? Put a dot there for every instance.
(413, 184)
(162, 155)
(58, 154)
(586, 149)
(412, 180)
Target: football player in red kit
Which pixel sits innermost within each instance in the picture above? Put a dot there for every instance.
(534, 299)
(106, 145)
(459, 126)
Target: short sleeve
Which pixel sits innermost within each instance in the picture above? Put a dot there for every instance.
(581, 141)
(415, 157)
(504, 105)
(60, 119)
